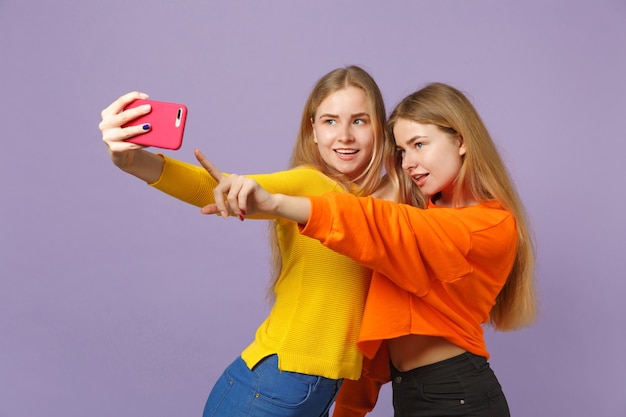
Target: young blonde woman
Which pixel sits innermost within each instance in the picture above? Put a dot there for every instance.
(306, 346)
(440, 273)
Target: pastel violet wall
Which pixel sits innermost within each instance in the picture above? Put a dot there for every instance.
(116, 300)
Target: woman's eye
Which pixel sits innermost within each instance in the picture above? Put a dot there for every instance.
(419, 145)
(359, 122)
(330, 121)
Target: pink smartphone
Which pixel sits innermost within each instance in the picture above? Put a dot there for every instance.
(167, 124)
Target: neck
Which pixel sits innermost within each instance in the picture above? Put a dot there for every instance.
(446, 200)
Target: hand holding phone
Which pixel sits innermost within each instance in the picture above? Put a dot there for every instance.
(167, 124)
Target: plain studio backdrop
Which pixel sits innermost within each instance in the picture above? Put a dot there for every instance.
(116, 300)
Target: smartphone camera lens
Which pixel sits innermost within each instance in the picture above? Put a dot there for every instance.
(179, 116)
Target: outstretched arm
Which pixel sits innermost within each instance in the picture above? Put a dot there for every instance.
(127, 156)
(239, 195)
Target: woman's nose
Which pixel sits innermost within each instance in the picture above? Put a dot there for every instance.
(408, 163)
(346, 134)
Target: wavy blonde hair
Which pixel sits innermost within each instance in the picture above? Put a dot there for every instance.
(306, 153)
(483, 177)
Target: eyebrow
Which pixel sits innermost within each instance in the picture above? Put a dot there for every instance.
(412, 140)
(415, 138)
(336, 116)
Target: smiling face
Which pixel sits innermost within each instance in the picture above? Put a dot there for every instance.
(430, 156)
(343, 131)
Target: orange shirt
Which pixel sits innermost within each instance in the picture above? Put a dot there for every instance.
(437, 272)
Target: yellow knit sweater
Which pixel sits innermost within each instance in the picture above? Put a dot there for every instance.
(315, 321)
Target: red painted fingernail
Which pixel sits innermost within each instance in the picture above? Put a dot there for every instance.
(243, 212)
(241, 217)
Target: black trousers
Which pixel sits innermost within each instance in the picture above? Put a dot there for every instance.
(461, 386)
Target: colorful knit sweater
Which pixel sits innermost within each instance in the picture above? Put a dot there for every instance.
(315, 321)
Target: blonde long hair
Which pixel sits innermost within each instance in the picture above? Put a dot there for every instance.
(483, 177)
(306, 153)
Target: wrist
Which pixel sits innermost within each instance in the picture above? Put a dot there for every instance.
(144, 165)
(277, 203)
(293, 208)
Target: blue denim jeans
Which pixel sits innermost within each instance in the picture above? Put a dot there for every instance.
(461, 386)
(266, 391)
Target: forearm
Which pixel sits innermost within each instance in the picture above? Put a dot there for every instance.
(297, 209)
(144, 165)
(357, 398)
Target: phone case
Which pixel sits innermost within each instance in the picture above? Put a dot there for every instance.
(167, 124)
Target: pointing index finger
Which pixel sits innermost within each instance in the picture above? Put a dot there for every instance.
(208, 165)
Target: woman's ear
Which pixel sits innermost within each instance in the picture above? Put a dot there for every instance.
(313, 127)
(462, 148)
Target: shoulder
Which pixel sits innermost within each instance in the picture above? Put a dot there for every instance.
(490, 225)
(489, 214)
(484, 219)
(478, 215)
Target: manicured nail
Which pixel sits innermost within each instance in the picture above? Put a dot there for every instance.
(241, 217)
(146, 126)
(243, 212)
(145, 107)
